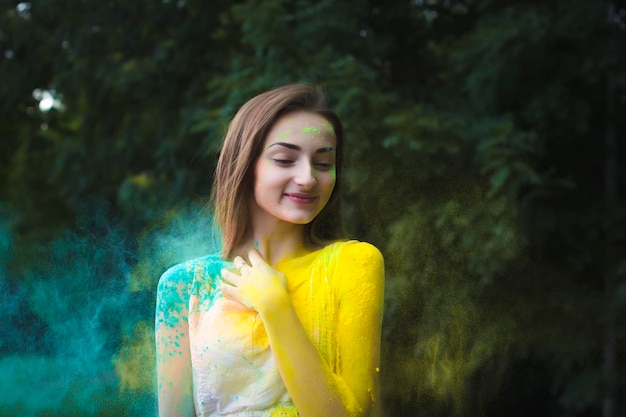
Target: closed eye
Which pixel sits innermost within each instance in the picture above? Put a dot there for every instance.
(282, 162)
(323, 166)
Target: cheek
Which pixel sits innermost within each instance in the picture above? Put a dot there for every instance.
(262, 175)
(329, 183)
(260, 168)
(332, 177)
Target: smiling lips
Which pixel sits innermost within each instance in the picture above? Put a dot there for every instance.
(301, 198)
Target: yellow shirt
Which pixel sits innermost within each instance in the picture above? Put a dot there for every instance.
(337, 294)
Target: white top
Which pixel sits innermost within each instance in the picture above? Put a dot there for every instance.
(234, 370)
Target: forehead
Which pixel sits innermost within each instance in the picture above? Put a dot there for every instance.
(300, 125)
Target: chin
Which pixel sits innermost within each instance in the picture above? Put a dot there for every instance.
(298, 219)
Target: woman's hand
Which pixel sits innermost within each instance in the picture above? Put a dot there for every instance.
(257, 286)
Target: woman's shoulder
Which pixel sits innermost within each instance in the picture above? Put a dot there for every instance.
(189, 270)
(356, 265)
(355, 250)
(188, 278)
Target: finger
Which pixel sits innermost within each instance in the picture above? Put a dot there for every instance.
(239, 262)
(232, 293)
(229, 291)
(231, 278)
(255, 258)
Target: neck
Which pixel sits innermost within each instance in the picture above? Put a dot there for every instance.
(274, 239)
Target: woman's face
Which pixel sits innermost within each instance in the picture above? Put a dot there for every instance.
(295, 174)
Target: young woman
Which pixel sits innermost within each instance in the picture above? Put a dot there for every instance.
(286, 320)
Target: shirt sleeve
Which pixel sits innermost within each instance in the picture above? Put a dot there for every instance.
(174, 376)
(360, 290)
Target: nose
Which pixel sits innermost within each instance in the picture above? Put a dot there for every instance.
(306, 177)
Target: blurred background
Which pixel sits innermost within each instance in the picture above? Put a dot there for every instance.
(486, 159)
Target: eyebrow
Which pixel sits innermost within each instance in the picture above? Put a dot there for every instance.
(297, 148)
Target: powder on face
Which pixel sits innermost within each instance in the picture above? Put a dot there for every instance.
(311, 130)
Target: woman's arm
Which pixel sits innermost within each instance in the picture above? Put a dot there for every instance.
(360, 269)
(173, 356)
(314, 388)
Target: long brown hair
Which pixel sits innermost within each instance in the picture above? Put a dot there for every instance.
(243, 144)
